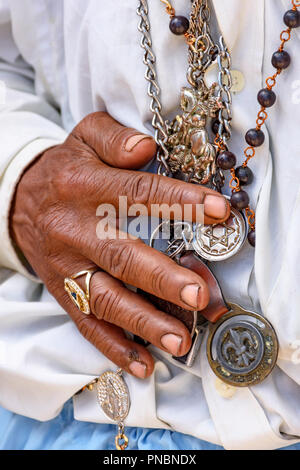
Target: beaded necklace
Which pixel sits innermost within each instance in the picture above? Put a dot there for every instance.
(241, 176)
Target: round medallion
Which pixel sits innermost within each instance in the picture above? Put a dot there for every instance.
(242, 348)
(113, 396)
(221, 241)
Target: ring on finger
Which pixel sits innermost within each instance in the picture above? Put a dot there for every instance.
(80, 298)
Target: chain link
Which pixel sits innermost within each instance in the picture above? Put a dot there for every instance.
(224, 93)
(201, 52)
(158, 123)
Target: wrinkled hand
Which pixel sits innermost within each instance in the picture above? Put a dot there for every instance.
(54, 224)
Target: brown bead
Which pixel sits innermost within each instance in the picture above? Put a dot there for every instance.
(251, 237)
(245, 175)
(292, 18)
(179, 25)
(266, 97)
(255, 137)
(281, 60)
(240, 200)
(226, 160)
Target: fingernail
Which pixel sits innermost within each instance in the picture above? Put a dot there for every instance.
(133, 141)
(172, 343)
(138, 369)
(215, 206)
(191, 295)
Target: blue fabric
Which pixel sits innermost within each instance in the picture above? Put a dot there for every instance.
(64, 433)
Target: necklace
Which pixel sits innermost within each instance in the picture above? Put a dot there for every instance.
(202, 52)
(242, 347)
(184, 148)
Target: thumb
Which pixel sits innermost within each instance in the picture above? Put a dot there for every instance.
(116, 145)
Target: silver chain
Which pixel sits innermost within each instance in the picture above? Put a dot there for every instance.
(224, 93)
(202, 51)
(158, 122)
(201, 55)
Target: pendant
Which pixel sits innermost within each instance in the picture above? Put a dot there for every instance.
(242, 348)
(211, 242)
(114, 399)
(190, 152)
(113, 396)
(222, 241)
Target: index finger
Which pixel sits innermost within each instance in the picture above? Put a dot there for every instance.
(197, 203)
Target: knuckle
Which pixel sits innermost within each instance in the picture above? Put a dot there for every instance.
(79, 180)
(158, 281)
(139, 324)
(118, 258)
(106, 304)
(116, 139)
(174, 193)
(49, 221)
(142, 189)
(87, 123)
(54, 224)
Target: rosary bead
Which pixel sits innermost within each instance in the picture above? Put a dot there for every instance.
(179, 25)
(266, 97)
(251, 237)
(281, 59)
(292, 18)
(255, 137)
(226, 160)
(240, 200)
(245, 175)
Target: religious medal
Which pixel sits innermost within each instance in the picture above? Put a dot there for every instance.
(114, 400)
(242, 348)
(221, 241)
(211, 242)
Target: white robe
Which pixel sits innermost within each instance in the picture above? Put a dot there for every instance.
(85, 56)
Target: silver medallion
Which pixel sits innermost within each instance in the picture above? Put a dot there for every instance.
(211, 242)
(222, 241)
(113, 396)
(242, 348)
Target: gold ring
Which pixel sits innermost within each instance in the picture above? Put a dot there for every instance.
(80, 298)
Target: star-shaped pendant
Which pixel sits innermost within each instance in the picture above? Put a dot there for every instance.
(223, 239)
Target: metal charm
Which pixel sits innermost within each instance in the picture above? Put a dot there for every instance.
(113, 396)
(190, 152)
(211, 242)
(222, 241)
(172, 237)
(242, 348)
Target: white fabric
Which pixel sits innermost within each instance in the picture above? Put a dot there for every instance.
(81, 57)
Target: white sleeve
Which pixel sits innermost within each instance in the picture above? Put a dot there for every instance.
(28, 126)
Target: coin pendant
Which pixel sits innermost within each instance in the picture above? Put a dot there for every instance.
(242, 348)
(113, 396)
(222, 241)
